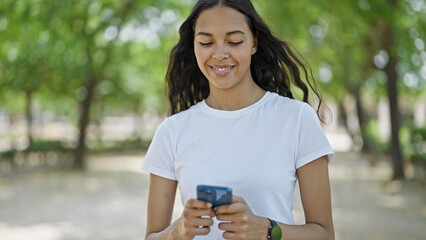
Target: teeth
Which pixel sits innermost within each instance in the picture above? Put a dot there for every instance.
(222, 69)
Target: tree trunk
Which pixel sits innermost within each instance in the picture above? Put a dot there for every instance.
(398, 161)
(79, 160)
(343, 121)
(392, 90)
(362, 121)
(343, 117)
(29, 116)
(355, 88)
(137, 119)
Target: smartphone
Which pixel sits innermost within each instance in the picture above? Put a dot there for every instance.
(214, 194)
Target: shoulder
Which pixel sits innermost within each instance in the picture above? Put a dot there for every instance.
(176, 120)
(278, 102)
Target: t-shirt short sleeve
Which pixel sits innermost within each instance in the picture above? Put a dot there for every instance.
(312, 142)
(159, 159)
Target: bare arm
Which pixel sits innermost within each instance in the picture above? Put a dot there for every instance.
(316, 199)
(161, 199)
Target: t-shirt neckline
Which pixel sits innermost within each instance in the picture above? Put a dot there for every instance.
(233, 113)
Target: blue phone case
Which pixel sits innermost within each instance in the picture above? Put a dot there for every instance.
(214, 194)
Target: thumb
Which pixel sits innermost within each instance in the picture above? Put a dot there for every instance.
(238, 199)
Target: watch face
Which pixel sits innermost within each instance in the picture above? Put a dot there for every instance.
(276, 233)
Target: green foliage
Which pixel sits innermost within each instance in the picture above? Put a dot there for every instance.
(42, 146)
(49, 51)
(38, 146)
(130, 144)
(339, 40)
(46, 146)
(414, 142)
(53, 48)
(377, 143)
(8, 154)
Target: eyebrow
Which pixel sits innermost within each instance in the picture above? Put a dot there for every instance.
(227, 34)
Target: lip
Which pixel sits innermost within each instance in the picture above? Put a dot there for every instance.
(222, 70)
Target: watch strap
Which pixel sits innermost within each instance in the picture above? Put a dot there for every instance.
(271, 228)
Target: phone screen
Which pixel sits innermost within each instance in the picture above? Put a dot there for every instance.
(214, 194)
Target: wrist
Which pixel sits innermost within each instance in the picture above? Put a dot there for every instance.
(177, 232)
(174, 230)
(274, 231)
(263, 226)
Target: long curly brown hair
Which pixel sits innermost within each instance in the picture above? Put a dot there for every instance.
(275, 66)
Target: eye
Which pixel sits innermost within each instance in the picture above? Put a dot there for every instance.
(235, 43)
(206, 44)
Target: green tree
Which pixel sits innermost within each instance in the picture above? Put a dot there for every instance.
(347, 40)
(95, 52)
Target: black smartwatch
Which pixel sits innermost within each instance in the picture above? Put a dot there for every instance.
(274, 232)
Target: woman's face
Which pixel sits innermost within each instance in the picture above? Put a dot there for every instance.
(223, 45)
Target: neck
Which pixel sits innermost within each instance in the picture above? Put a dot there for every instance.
(233, 99)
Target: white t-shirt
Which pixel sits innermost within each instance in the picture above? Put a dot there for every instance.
(255, 151)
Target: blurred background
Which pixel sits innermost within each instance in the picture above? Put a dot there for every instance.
(82, 92)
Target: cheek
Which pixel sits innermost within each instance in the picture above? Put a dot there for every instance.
(243, 57)
(202, 55)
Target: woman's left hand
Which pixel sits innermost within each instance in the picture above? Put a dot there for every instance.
(240, 222)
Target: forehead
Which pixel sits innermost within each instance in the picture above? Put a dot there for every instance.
(221, 19)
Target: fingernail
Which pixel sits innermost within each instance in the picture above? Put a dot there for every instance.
(209, 204)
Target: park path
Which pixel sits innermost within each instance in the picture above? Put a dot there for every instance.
(109, 202)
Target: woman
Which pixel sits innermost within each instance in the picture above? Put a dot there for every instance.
(234, 123)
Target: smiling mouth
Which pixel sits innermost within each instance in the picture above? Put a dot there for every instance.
(222, 69)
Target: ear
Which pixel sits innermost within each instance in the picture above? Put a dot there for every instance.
(254, 48)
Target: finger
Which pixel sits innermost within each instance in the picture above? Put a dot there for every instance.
(195, 230)
(233, 227)
(232, 235)
(225, 217)
(232, 217)
(195, 203)
(197, 222)
(238, 199)
(231, 208)
(196, 212)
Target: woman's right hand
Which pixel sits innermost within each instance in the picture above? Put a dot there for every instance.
(194, 220)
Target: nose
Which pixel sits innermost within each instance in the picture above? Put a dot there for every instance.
(220, 52)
